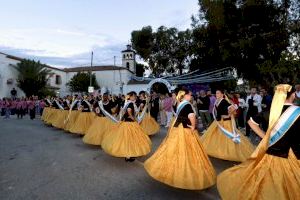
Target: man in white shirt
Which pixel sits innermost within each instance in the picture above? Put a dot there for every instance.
(253, 105)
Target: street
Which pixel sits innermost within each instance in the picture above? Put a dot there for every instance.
(41, 162)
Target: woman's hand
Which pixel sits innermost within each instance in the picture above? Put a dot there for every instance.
(191, 127)
(192, 118)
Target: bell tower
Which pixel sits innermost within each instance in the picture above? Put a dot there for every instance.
(128, 59)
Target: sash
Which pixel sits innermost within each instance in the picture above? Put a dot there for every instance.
(123, 110)
(234, 136)
(142, 115)
(107, 114)
(60, 106)
(181, 106)
(50, 104)
(284, 123)
(89, 105)
(70, 110)
(68, 103)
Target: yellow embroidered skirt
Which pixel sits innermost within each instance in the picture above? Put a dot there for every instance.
(51, 116)
(126, 139)
(181, 162)
(71, 119)
(271, 177)
(59, 122)
(82, 123)
(98, 128)
(45, 113)
(149, 124)
(217, 145)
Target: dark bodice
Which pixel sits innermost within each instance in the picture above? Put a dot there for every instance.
(47, 104)
(175, 107)
(65, 105)
(55, 105)
(86, 107)
(126, 115)
(182, 117)
(291, 139)
(107, 107)
(144, 103)
(222, 109)
(75, 107)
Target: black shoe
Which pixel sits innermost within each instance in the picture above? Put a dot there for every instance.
(131, 159)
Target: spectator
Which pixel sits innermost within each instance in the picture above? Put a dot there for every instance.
(253, 104)
(203, 103)
(42, 105)
(241, 110)
(212, 99)
(265, 105)
(297, 95)
(13, 93)
(167, 104)
(6, 107)
(154, 103)
(31, 107)
(162, 113)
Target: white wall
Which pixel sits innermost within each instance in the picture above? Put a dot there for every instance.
(8, 72)
(109, 79)
(62, 87)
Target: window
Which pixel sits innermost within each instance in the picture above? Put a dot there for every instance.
(127, 65)
(57, 79)
(124, 56)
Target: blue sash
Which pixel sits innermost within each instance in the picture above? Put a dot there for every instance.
(181, 106)
(284, 123)
(234, 136)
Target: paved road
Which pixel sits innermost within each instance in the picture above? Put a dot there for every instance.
(41, 162)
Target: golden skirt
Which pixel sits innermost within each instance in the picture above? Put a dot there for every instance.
(83, 123)
(126, 139)
(218, 145)
(181, 162)
(51, 116)
(60, 120)
(71, 119)
(45, 113)
(149, 124)
(270, 178)
(95, 133)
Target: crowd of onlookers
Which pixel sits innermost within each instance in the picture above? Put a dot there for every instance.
(256, 102)
(21, 106)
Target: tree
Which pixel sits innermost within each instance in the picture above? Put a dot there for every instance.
(240, 34)
(81, 81)
(140, 69)
(32, 77)
(287, 70)
(257, 38)
(165, 50)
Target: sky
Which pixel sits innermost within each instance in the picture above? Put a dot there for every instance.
(62, 33)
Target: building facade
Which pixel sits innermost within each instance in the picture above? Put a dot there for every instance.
(115, 79)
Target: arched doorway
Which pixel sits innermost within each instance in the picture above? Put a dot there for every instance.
(159, 85)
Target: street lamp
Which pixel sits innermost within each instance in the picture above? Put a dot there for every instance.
(91, 88)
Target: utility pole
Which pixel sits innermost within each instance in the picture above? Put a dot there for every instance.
(91, 68)
(114, 60)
